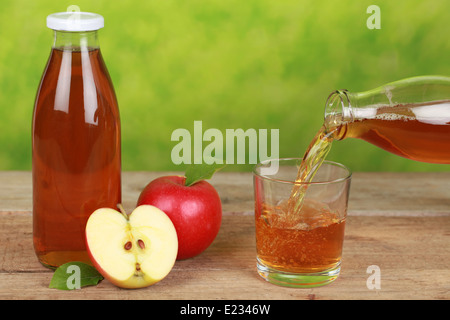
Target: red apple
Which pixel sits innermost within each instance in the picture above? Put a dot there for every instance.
(195, 211)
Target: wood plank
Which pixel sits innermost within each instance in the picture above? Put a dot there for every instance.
(412, 255)
(397, 221)
(371, 193)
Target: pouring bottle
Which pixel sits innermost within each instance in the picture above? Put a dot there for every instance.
(409, 117)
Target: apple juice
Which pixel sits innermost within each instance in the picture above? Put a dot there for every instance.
(76, 151)
(312, 159)
(418, 132)
(310, 242)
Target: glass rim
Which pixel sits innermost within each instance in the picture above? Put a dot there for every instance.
(321, 182)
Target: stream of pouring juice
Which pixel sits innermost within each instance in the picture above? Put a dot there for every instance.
(76, 153)
(314, 156)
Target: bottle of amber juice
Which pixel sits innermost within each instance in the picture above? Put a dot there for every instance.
(409, 117)
(76, 152)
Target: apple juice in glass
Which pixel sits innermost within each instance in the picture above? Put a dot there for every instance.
(76, 151)
(304, 248)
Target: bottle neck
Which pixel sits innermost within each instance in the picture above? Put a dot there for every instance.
(76, 41)
(338, 112)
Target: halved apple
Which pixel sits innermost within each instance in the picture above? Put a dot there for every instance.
(132, 251)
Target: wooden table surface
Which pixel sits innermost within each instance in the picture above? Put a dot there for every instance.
(399, 222)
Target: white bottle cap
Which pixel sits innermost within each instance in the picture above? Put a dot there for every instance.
(75, 20)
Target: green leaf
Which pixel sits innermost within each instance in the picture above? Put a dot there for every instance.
(196, 172)
(74, 275)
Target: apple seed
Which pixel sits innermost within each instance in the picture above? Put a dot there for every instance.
(128, 245)
(141, 244)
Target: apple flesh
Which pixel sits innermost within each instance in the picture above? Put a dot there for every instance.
(132, 251)
(196, 211)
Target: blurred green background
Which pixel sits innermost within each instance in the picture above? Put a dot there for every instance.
(258, 64)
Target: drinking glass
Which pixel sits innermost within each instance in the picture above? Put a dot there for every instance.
(300, 248)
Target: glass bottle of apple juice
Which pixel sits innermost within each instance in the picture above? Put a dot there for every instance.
(409, 117)
(76, 148)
